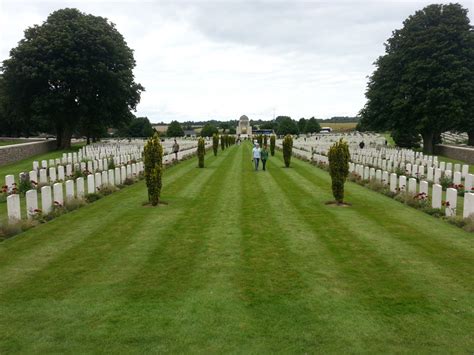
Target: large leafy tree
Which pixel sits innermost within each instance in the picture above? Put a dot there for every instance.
(302, 125)
(136, 127)
(73, 71)
(208, 130)
(285, 125)
(175, 130)
(425, 81)
(312, 126)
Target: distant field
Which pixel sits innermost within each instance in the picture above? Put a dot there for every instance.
(339, 127)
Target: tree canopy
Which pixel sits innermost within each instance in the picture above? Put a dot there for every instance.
(285, 125)
(175, 130)
(137, 127)
(208, 130)
(72, 72)
(312, 126)
(425, 80)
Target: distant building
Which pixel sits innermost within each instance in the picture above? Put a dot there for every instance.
(264, 131)
(244, 128)
(325, 130)
(190, 133)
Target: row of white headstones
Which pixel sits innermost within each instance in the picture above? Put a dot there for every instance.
(54, 195)
(402, 183)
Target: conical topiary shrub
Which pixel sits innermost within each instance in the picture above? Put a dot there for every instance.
(272, 145)
(153, 161)
(339, 156)
(215, 143)
(201, 151)
(287, 149)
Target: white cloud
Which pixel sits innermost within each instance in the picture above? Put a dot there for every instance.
(221, 59)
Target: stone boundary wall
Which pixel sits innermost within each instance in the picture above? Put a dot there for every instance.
(12, 153)
(464, 154)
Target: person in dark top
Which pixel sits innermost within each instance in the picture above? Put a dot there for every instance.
(264, 156)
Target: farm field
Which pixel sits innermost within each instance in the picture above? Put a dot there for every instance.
(239, 261)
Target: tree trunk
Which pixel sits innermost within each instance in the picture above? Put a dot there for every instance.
(428, 142)
(88, 140)
(470, 139)
(64, 137)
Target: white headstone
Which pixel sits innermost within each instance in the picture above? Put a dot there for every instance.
(58, 193)
(36, 165)
(402, 183)
(117, 176)
(457, 167)
(436, 196)
(61, 176)
(448, 173)
(105, 178)
(457, 178)
(52, 174)
(13, 208)
(430, 175)
(10, 182)
(43, 177)
(129, 171)
(80, 187)
(468, 204)
(424, 186)
(123, 174)
(469, 182)
(378, 175)
(465, 170)
(44, 164)
(393, 182)
(46, 201)
(31, 203)
(111, 178)
(451, 202)
(366, 171)
(442, 165)
(449, 166)
(98, 181)
(69, 189)
(412, 185)
(437, 175)
(90, 184)
(69, 170)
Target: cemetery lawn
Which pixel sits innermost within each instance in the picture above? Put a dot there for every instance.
(243, 262)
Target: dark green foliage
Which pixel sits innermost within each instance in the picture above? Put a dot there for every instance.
(222, 142)
(302, 125)
(208, 130)
(287, 149)
(215, 143)
(312, 126)
(406, 138)
(136, 127)
(111, 164)
(272, 145)
(260, 139)
(285, 125)
(339, 157)
(425, 81)
(175, 130)
(72, 72)
(265, 140)
(153, 160)
(201, 151)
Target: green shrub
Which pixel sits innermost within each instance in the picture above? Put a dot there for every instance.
(222, 142)
(287, 149)
(260, 139)
(92, 197)
(107, 190)
(272, 145)
(153, 160)
(73, 204)
(215, 143)
(201, 150)
(445, 182)
(339, 168)
(111, 164)
(265, 140)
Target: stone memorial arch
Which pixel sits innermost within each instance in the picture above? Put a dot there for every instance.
(244, 128)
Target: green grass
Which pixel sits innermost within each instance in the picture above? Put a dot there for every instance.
(243, 262)
(4, 142)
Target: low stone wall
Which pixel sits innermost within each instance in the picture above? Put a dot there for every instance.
(12, 153)
(464, 154)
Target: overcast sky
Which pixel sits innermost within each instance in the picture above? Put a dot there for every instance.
(202, 60)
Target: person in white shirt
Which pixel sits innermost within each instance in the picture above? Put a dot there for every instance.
(256, 155)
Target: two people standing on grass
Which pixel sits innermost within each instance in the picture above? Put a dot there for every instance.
(260, 154)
